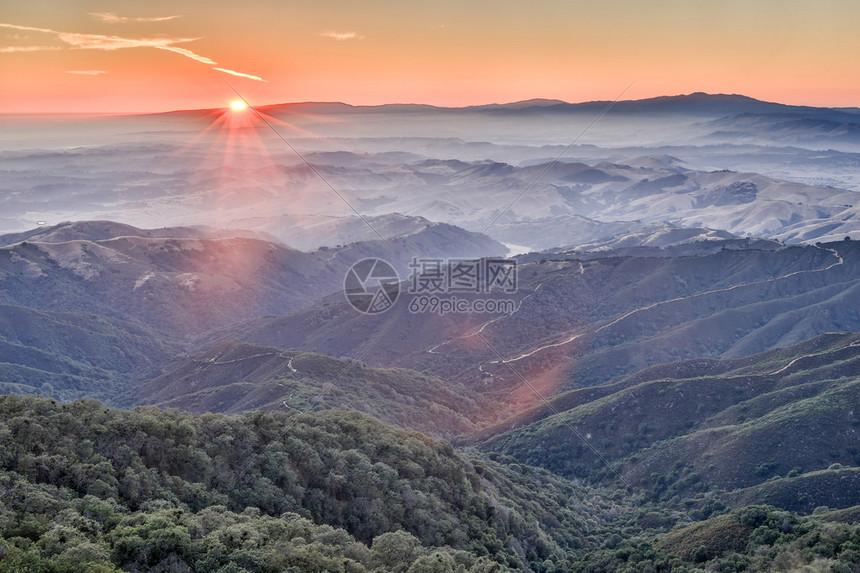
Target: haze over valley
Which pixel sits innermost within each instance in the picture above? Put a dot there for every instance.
(667, 161)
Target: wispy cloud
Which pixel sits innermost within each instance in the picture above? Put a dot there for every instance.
(186, 53)
(342, 35)
(110, 43)
(14, 49)
(239, 74)
(86, 72)
(111, 18)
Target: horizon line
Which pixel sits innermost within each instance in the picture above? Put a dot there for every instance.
(550, 103)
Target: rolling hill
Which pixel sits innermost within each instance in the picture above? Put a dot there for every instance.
(777, 428)
(68, 355)
(581, 321)
(187, 284)
(234, 377)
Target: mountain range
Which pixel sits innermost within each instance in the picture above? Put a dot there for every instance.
(725, 163)
(670, 383)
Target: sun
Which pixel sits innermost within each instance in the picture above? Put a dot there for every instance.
(238, 105)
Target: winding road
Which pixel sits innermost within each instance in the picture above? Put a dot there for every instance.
(571, 338)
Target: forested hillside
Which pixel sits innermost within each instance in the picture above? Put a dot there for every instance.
(138, 488)
(89, 488)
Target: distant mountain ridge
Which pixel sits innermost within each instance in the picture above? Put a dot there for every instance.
(104, 230)
(693, 102)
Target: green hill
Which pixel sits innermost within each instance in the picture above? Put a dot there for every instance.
(138, 488)
(236, 377)
(788, 413)
(71, 355)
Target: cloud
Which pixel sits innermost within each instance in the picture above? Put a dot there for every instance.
(187, 53)
(340, 36)
(110, 43)
(14, 49)
(26, 28)
(86, 72)
(239, 74)
(111, 18)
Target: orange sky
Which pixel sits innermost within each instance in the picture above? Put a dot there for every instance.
(111, 56)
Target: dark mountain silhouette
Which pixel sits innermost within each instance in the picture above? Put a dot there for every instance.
(698, 103)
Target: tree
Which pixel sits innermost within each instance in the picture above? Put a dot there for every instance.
(394, 551)
(436, 562)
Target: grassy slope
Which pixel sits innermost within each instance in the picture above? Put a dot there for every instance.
(760, 417)
(237, 377)
(69, 355)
